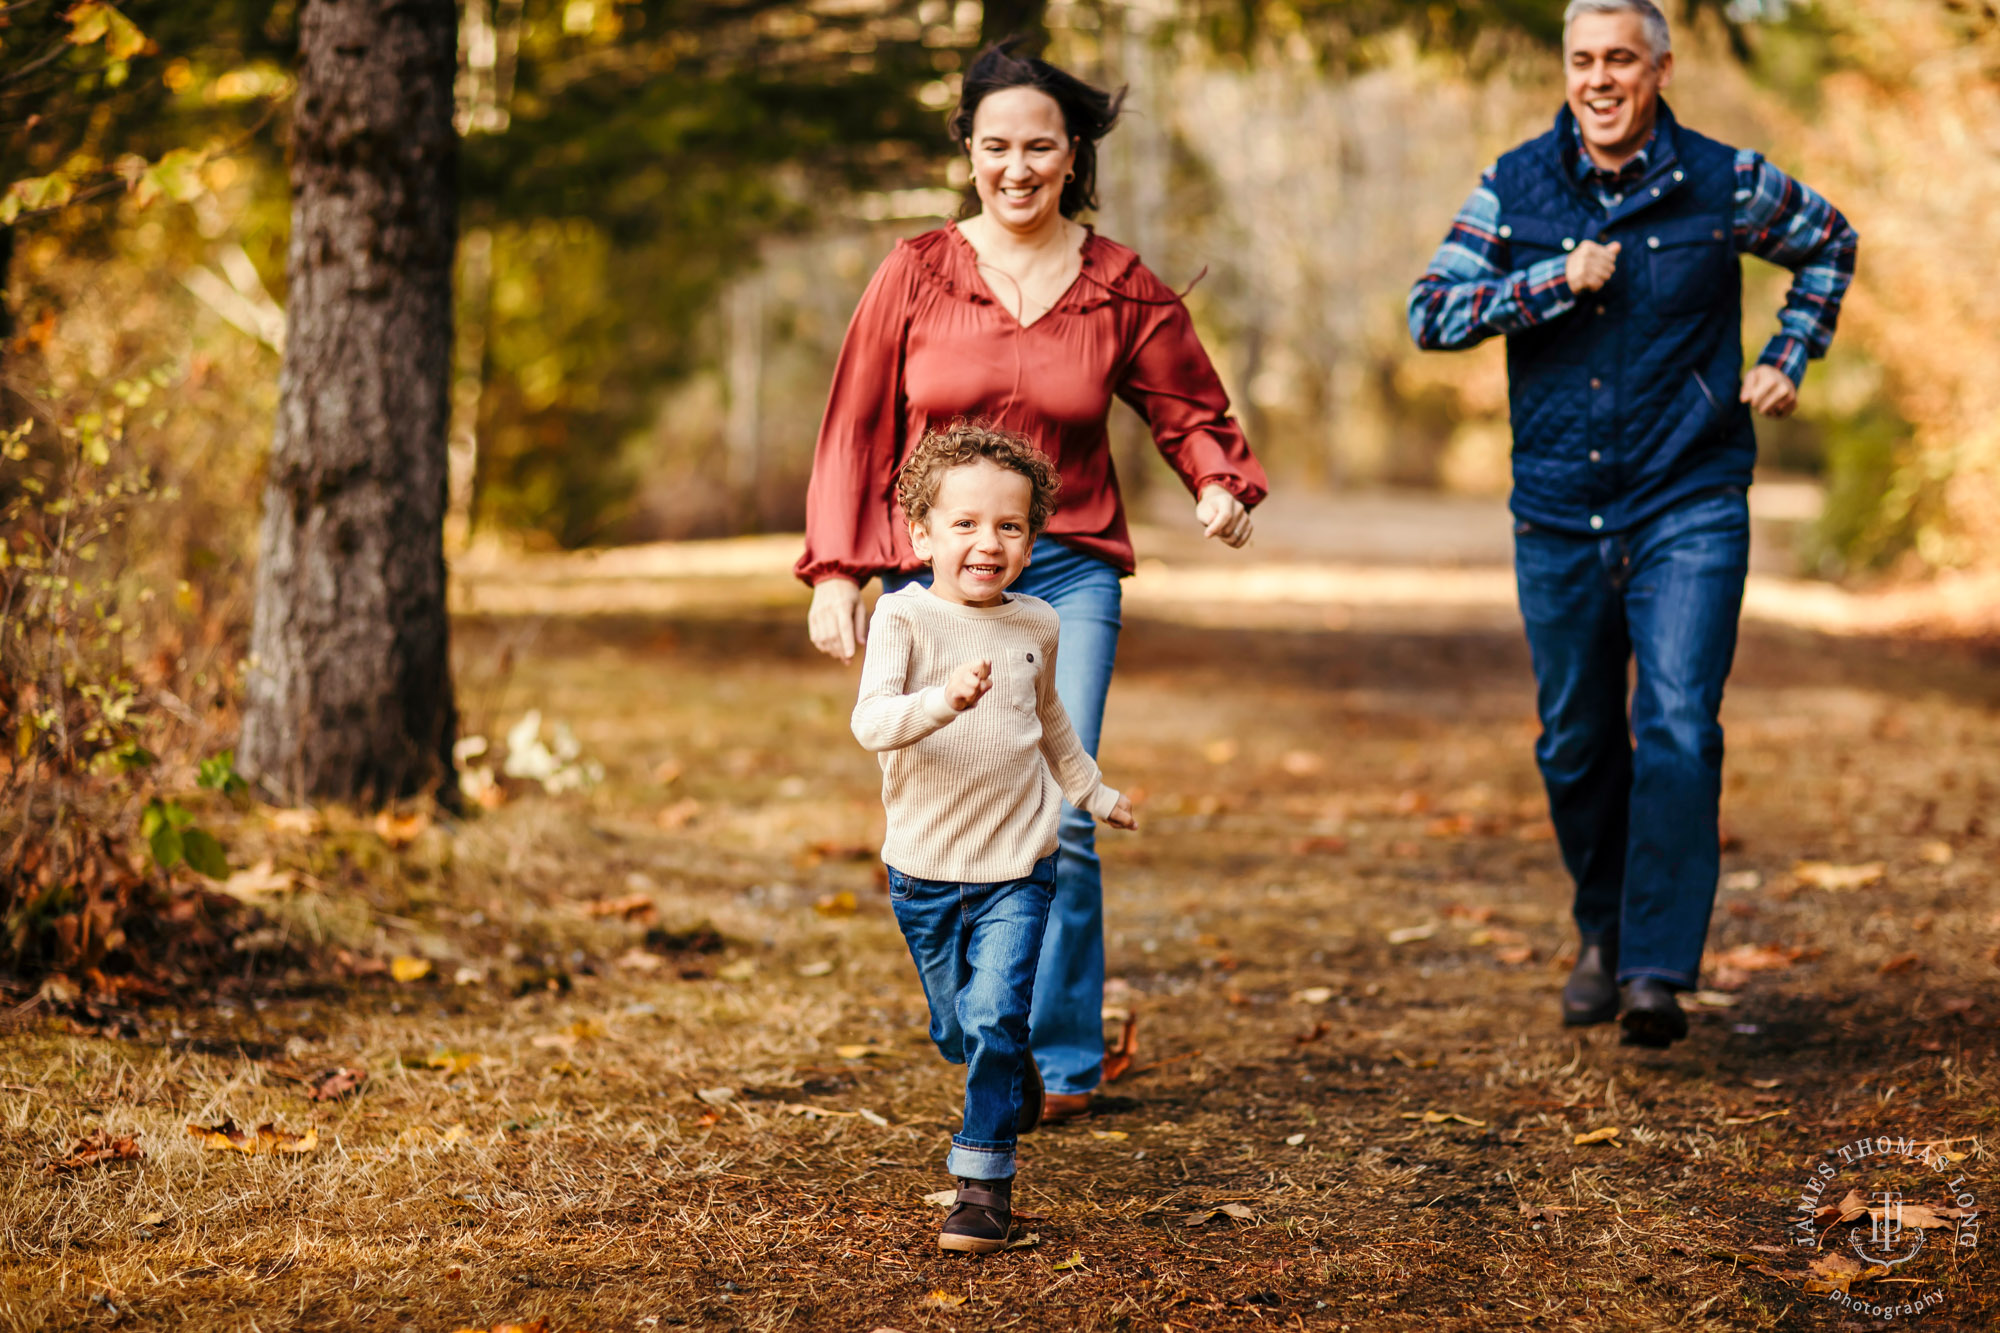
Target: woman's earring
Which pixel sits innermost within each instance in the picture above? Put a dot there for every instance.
(1070, 177)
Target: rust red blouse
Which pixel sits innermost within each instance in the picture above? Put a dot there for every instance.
(929, 343)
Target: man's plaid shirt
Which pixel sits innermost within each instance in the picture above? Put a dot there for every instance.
(1470, 293)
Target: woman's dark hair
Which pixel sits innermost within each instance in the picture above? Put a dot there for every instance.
(1088, 114)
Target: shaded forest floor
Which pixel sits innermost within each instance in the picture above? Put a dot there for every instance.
(664, 1072)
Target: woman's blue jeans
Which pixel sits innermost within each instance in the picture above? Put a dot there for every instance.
(1067, 1021)
(975, 946)
(1635, 803)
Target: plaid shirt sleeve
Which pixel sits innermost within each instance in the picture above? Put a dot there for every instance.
(1469, 293)
(1781, 220)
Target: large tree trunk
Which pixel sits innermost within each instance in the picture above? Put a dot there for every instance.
(349, 691)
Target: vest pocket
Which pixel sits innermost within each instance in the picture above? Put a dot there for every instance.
(1690, 266)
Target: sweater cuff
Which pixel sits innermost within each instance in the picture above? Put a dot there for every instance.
(937, 706)
(1103, 801)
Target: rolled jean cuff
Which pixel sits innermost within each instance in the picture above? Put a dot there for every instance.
(1682, 980)
(978, 1162)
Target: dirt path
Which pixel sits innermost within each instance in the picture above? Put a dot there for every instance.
(1340, 933)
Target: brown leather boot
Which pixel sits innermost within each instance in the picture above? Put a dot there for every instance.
(981, 1219)
(1058, 1107)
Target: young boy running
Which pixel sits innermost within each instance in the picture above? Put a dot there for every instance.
(974, 786)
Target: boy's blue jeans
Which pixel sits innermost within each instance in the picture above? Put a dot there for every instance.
(1635, 805)
(1069, 988)
(976, 946)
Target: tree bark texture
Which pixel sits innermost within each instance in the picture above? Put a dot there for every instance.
(349, 691)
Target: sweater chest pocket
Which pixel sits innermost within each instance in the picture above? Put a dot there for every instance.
(1689, 265)
(1019, 673)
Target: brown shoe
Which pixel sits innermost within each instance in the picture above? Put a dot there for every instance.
(1058, 1107)
(1033, 1099)
(981, 1217)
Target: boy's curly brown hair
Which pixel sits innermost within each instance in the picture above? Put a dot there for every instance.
(964, 442)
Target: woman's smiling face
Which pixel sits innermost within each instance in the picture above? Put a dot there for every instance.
(1021, 154)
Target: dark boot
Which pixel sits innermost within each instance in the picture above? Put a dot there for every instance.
(1591, 993)
(1652, 1014)
(1031, 1098)
(980, 1220)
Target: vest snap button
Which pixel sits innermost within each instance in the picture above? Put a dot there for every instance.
(1678, 176)
(1506, 230)
(1652, 242)
(1569, 243)
(1656, 192)
(1596, 521)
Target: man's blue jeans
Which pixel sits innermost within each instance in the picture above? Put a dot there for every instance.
(1635, 809)
(1068, 1021)
(975, 947)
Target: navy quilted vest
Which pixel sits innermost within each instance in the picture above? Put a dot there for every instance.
(1626, 404)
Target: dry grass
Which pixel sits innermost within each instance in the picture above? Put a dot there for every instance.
(1307, 792)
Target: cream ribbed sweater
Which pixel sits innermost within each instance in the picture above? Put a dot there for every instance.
(971, 796)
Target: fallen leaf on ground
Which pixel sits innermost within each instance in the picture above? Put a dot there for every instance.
(1542, 1212)
(1074, 1261)
(467, 976)
(716, 1096)
(1754, 1119)
(816, 969)
(305, 822)
(1936, 853)
(1027, 1240)
(943, 1198)
(225, 1137)
(1902, 962)
(1835, 1271)
(1715, 999)
(401, 830)
(680, 814)
(97, 1148)
(875, 1118)
(405, 968)
(1116, 1135)
(1447, 1117)
(1838, 878)
(258, 882)
(1319, 1029)
(843, 903)
(636, 959)
(1202, 1215)
(944, 1298)
(1411, 934)
(452, 1062)
(741, 970)
(330, 1084)
(1294, 1140)
(860, 1051)
(813, 1112)
(632, 907)
(1742, 881)
(1514, 955)
(1604, 1135)
(1850, 1209)
(1313, 995)
(1759, 957)
(272, 1139)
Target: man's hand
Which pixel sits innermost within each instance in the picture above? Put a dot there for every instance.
(1769, 391)
(968, 685)
(837, 621)
(1121, 815)
(1222, 516)
(1590, 266)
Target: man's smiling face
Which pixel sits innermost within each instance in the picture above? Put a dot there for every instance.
(1614, 83)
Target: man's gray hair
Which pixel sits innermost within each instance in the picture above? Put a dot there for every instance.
(1658, 37)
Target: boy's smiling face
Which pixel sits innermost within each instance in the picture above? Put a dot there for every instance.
(976, 535)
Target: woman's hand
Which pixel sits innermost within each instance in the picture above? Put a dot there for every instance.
(838, 621)
(1222, 515)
